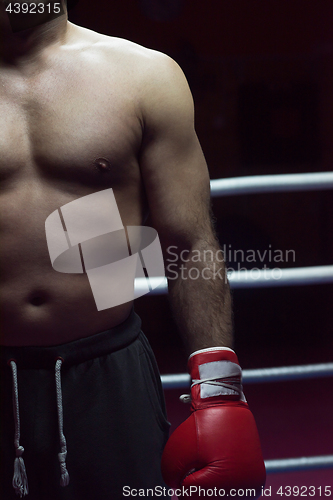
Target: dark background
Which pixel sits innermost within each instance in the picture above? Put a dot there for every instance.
(261, 73)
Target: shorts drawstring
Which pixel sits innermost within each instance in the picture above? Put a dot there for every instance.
(64, 480)
(20, 480)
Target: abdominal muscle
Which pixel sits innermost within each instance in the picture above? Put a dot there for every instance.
(40, 306)
(53, 311)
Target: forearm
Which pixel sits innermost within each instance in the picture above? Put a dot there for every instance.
(200, 295)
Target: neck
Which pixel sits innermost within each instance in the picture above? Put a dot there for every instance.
(21, 42)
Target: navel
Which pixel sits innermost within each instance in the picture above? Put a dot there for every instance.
(37, 300)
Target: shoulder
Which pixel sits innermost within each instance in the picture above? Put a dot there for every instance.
(119, 49)
(153, 79)
(153, 72)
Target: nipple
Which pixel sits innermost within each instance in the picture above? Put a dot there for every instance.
(102, 165)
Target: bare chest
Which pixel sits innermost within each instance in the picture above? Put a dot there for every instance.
(76, 126)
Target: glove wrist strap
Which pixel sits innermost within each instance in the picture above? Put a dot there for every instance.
(216, 387)
(210, 349)
(216, 376)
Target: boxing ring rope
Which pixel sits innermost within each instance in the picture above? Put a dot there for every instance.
(299, 464)
(271, 183)
(260, 375)
(258, 278)
(270, 278)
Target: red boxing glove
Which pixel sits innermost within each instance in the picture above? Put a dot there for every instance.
(218, 445)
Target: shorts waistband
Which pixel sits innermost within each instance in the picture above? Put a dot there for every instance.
(77, 351)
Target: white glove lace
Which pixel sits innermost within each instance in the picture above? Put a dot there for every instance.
(233, 385)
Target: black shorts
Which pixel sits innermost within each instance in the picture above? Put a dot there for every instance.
(114, 417)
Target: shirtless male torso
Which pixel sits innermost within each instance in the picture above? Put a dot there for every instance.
(80, 113)
(71, 124)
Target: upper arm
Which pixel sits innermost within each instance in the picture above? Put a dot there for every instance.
(173, 167)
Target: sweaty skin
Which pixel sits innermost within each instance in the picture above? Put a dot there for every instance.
(81, 112)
